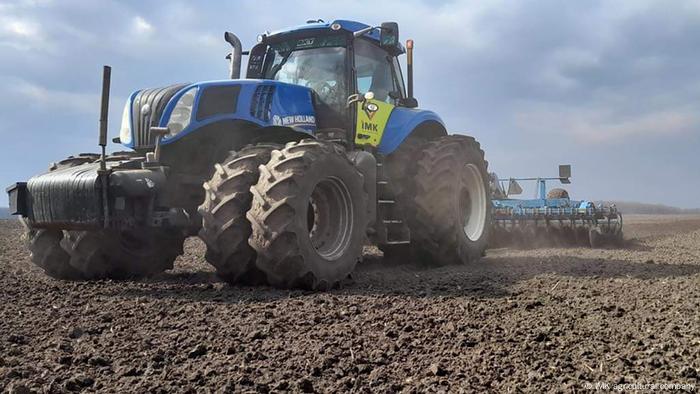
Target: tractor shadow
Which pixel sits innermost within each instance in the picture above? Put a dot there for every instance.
(492, 277)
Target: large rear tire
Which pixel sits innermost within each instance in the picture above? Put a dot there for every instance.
(225, 228)
(308, 216)
(401, 166)
(452, 219)
(111, 254)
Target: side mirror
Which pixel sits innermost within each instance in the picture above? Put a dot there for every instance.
(408, 102)
(514, 187)
(389, 35)
(565, 173)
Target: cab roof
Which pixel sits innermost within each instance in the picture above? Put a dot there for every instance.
(349, 26)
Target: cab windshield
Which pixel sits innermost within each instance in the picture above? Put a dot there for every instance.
(315, 62)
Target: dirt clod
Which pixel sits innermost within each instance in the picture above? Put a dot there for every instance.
(437, 370)
(537, 320)
(305, 385)
(197, 351)
(75, 333)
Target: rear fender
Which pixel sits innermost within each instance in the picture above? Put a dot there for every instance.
(407, 121)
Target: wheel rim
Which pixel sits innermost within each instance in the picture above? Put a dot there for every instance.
(329, 218)
(473, 203)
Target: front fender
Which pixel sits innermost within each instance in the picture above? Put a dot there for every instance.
(401, 124)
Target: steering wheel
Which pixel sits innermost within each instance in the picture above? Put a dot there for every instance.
(324, 89)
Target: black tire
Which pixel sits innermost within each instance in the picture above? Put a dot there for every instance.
(557, 193)
(45, 252)
(401, 167)
(308, 216)
(451, 225)
(225, 228)
(111, 254)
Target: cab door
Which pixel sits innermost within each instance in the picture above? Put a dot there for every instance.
(374, 72)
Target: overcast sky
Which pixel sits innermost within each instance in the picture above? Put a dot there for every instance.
(611, 87)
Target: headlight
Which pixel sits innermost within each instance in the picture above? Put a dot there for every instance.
(125, 131)
(182, 113)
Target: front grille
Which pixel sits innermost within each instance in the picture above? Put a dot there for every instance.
(261, 105)
(156, 99)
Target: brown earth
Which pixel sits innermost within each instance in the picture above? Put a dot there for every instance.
(520, 320)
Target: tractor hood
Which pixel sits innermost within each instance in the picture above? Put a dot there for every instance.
(184, 108)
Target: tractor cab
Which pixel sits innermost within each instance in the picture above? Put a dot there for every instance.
(343, 63)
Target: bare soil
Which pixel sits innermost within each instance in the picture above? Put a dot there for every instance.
(541, 320)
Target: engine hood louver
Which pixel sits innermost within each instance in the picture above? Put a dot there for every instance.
(147, 108)
(261, 105)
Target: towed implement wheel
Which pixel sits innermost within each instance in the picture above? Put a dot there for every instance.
(452, 217)
(608, 234)
(112, 254)
(225, 228)
(308, 216)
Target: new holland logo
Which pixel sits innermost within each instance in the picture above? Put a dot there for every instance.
(370, 109)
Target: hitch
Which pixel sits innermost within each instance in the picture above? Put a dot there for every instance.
(18, 199)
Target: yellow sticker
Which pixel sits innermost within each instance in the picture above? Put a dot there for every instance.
(372, 116)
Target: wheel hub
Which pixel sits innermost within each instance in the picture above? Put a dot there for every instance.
(330, 218)
(473, 203)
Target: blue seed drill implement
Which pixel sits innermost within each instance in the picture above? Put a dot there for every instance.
(552, 218)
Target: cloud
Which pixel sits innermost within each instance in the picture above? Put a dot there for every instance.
(591, 127)
(20, 34)
(37, 96)
(141, 26)
(595, 83)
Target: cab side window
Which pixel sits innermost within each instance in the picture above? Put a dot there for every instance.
(375, 71)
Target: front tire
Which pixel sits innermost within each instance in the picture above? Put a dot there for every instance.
(112, 254)
(308, 216)
(45, 252)
(452, 220)
(225, 228)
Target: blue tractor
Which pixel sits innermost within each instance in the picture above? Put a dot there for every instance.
(284, 175)
(552, 218)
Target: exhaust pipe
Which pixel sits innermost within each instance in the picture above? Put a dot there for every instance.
(104, 111)
(236, 54)
(409, 67)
